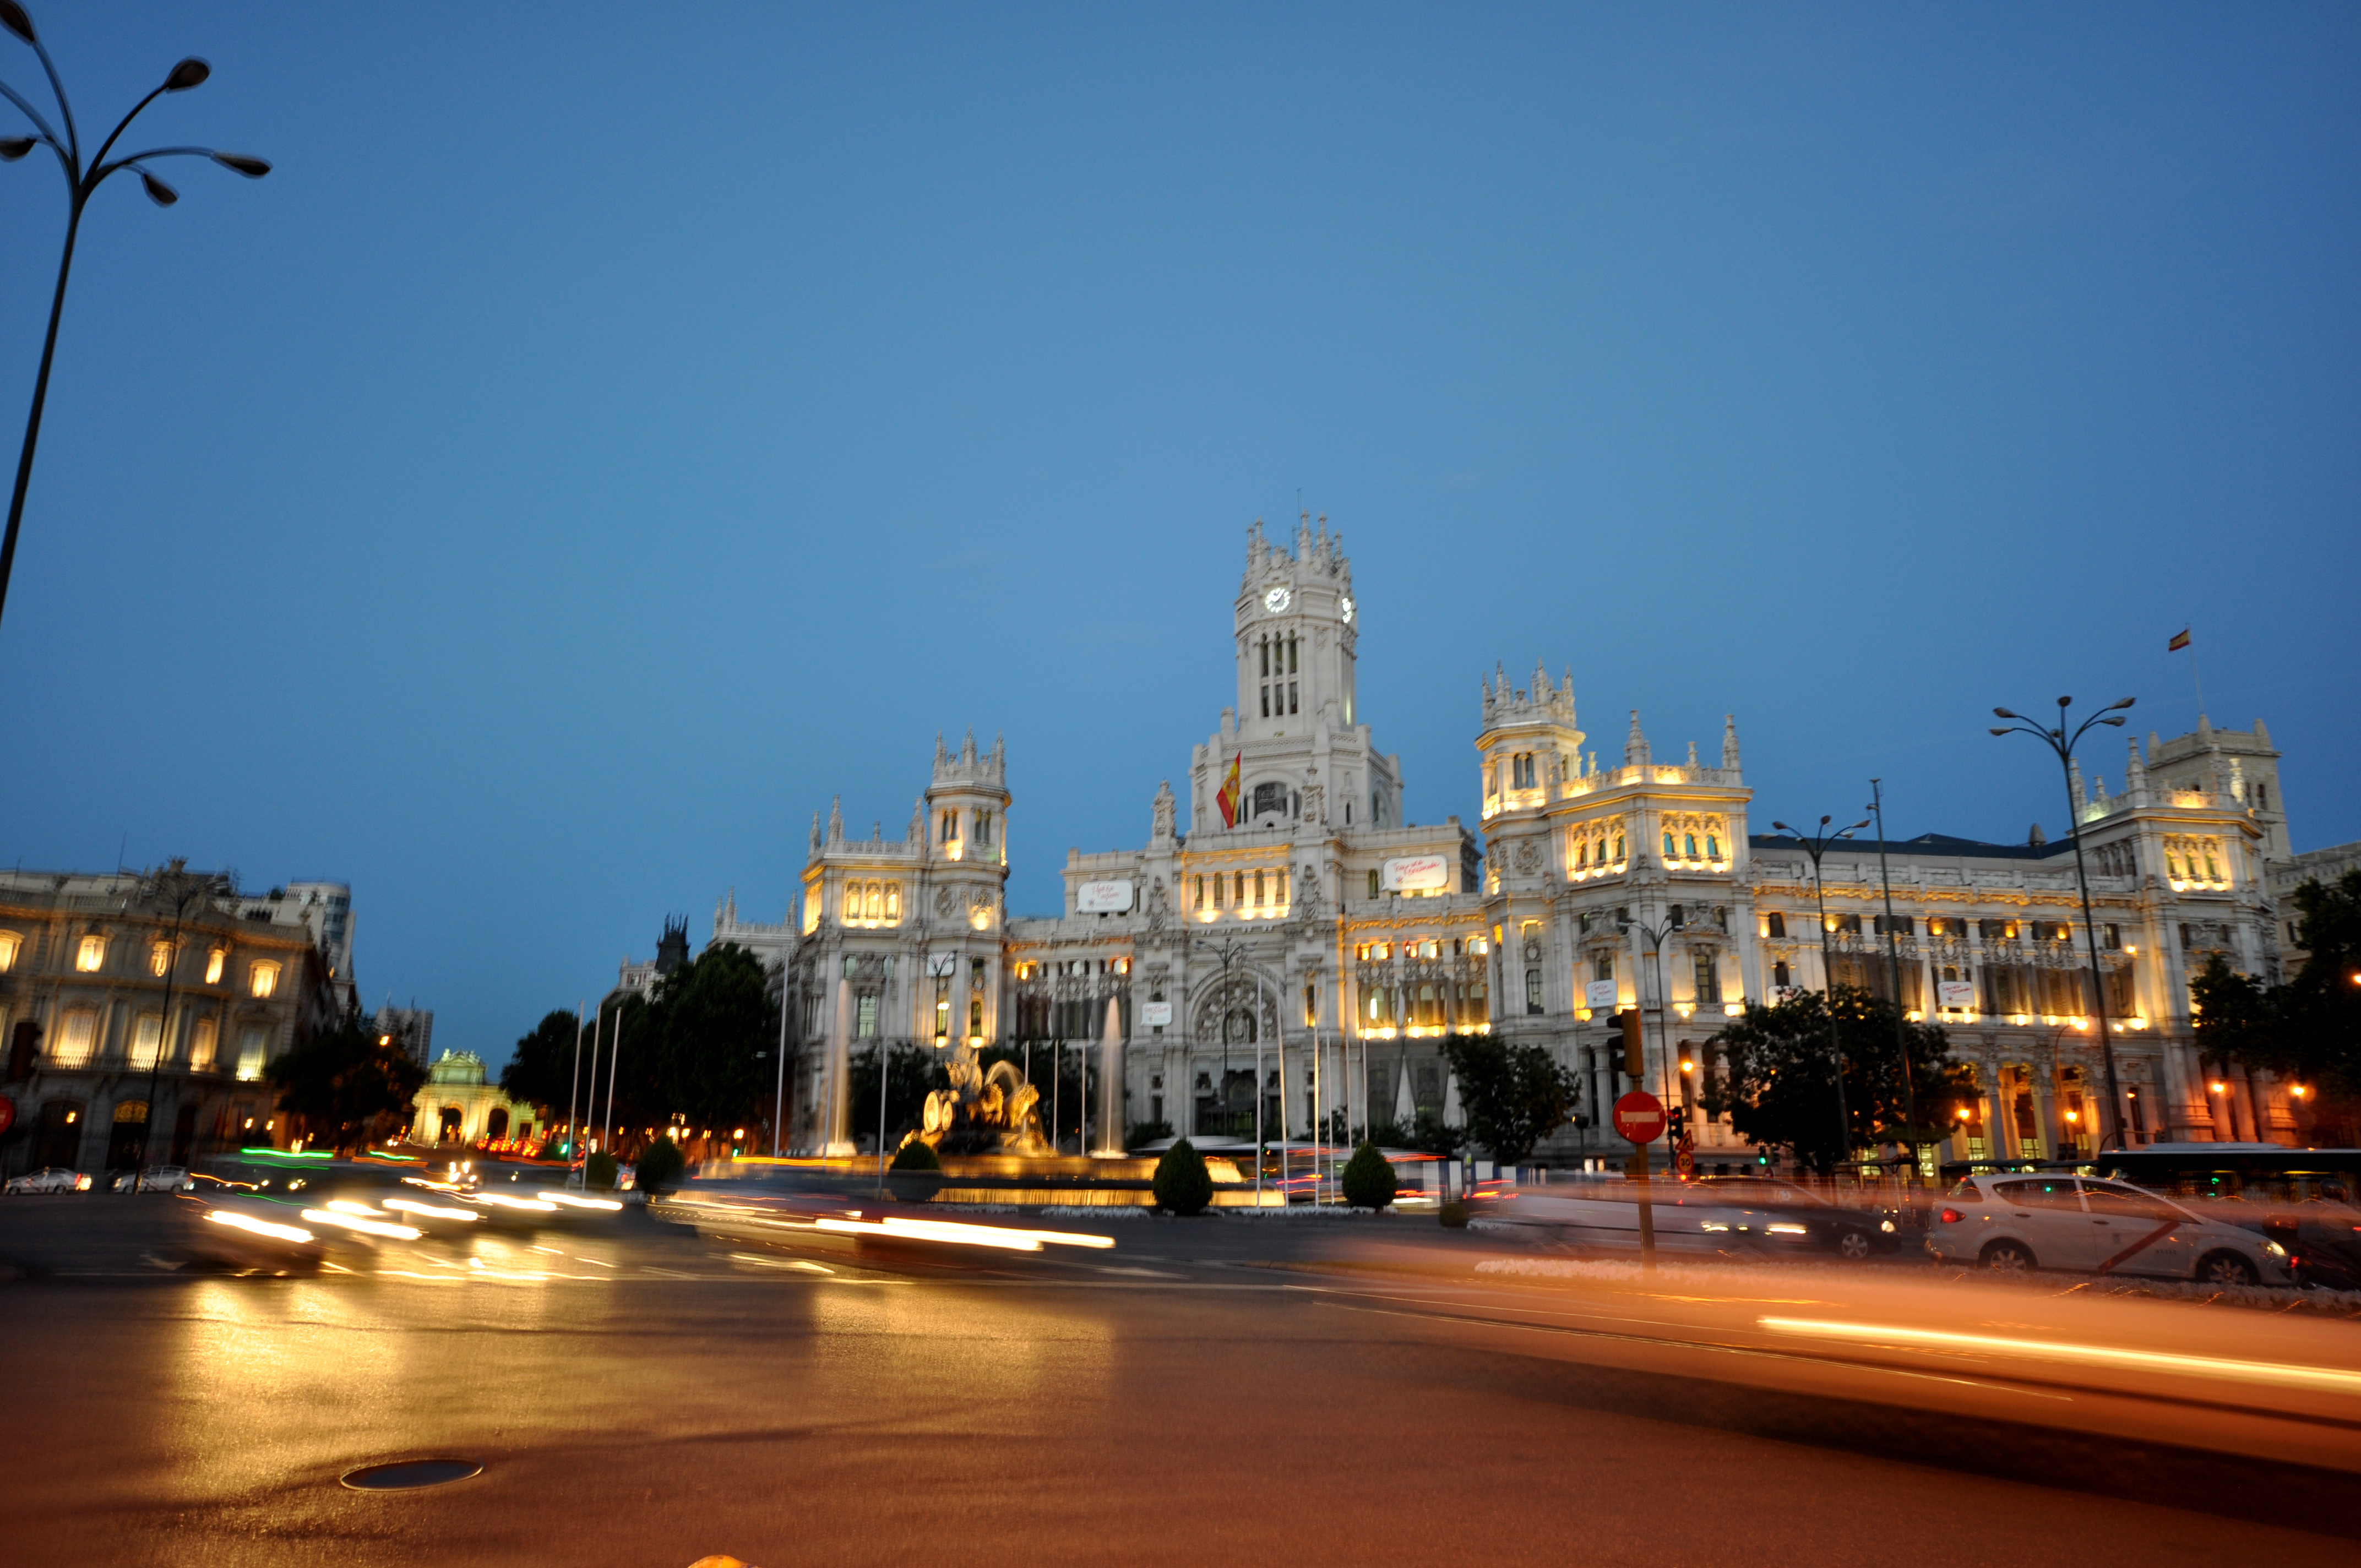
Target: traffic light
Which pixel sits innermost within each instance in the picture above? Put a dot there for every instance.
(1633, 1068)
(1677, 1119)
(1763, 1157)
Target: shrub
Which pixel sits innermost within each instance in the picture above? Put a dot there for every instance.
(1455, 1215)
(1368, 1179)
(1182, 1185)
(1147, 1133)
(660, 1166)
(917, 1154)
(598, 1172)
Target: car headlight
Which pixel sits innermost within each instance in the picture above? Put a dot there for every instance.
(1885, 1225)
(2275, 1249)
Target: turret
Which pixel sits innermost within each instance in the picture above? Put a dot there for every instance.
(1529, 746)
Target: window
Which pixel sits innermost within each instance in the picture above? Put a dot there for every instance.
(865, 1016)
(159, 958)
(10, 945)
(77, 1038)
(1688, 843)
(1237, 890)
(893, 901)
(1775, 925)
(1259, 890)
(262, 980)
(1671, 852)
(943, 1008)
(1712, 848)
(1779, 976)
(89, 953)
(950, 828)
(1708, 979)
(1197, 896)
(975, 1018)
(250, 1047)
(983, 829)
(146, 1039)
(1532, 992)
(215, 962)
(1619, 843)
(1311, 1006)
(1845, 924)
(1602, 966)
(201, 1040)
(1373, 884)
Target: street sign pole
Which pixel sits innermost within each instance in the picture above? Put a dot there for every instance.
(1640, 1117)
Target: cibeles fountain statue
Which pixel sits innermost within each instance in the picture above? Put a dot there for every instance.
(984, 1110)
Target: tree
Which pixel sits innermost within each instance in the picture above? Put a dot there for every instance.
(1182, 1183)
(715, 1026)
(659, 1167)
(1368, 1179)
(2307, 1030)
(1428, 1134)
(1514, 1095)
(344, 1087)
(1777, 1083)
(541, 1068)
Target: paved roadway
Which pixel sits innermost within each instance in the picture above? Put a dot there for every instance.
(1211, 1390)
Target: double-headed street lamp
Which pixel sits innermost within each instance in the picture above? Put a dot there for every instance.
(1655, 935)
(2060, 742)
(83, 180)
(1816, 847)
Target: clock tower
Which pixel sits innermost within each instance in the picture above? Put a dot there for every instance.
(1297, 721)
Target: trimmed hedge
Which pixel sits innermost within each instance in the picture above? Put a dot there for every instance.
(1368, 1179)
(1182, 1184)
(598, 1172)
(1454, 1215)
(917, 1154)
(659, 1167)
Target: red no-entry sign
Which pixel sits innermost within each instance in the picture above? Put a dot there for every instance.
(1640, 1117)
(7, 1112)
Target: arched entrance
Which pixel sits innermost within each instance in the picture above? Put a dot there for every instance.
(451, 1122)
(496, 1125)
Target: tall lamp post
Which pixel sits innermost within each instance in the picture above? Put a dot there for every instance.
(1655, 936)
(82, 180)
(2060, 742)
(1893, 959)
(1816, 847)
(189, 891)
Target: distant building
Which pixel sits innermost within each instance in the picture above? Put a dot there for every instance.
(2324, 866)
(413, 1028)
(1299, 908)
(170, 976)
(457, 1105)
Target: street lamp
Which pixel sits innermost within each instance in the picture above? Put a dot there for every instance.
(2060, 742)
(83, 180)
(1655, 936)
(1893, 958)
(188, 892)
(1816, 847)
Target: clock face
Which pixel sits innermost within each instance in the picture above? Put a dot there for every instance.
(1345, 609)
(1277, 599)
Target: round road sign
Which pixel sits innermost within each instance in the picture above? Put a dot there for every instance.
(1640, 1117)
(7, 1112)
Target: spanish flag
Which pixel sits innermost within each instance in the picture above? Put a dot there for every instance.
(2179, 641)
(1227, 798)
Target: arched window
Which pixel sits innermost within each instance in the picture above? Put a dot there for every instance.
(1670, 851)
(1259, 890)
(893, 901)
(1618, 846)
(1712, 848)
(1688, 842)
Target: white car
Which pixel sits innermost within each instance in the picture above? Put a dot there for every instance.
(2015, 1222)
(53, 1179)
(165, 1178)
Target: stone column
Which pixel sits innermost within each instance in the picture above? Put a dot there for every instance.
(2045, 1107)
(839, 1100)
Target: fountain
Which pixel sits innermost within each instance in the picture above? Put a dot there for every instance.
(984, 1110)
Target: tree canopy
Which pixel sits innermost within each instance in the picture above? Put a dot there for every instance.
(344, 1087)
(1514, 1096)
(541, 1071)
(1776, 1081)
(2306, 1029)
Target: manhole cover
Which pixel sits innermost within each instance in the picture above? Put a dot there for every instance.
(409, 1472)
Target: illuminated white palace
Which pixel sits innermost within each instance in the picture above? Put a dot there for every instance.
(1300, 911)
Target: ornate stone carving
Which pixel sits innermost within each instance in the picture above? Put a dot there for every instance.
(1529, 856)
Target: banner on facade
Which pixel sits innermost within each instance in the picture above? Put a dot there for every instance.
(1599, 995)
(1101, 897)
(1156, 1014)
(1955, 995)
(1417, 873)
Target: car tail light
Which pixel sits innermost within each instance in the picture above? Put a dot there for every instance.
(1951, 1216)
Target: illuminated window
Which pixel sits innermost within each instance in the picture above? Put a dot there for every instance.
(1688, 842)
(1712, 848)
(1618, 844)
(202, 1038)
(943, 1008)
(146, 1039)
(159, 958)
(90, 953)
(10, 944)
(1670, 851)
(877, 905)
(250, 1047)
(867, 1026)
(77, 1038)
(893, 901)
(1258, 889)
(1197, 897)
(215, 962)
(262, 980)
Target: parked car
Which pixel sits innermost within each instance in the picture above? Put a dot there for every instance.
(2015, 1222)
(1803, 1221)
(165, 1178)
(51, 1179)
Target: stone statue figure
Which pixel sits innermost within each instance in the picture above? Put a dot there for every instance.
(984, 1110)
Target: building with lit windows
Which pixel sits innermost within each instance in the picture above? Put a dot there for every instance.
(1299, 918)
(100, 976)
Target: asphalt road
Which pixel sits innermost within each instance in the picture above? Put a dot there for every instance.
(1209, 1389)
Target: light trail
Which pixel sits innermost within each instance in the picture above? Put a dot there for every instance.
(2326, 1378)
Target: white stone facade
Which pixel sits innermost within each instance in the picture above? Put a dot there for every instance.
(1319, 922)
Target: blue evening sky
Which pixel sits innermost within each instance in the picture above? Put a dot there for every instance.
(614, 431)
